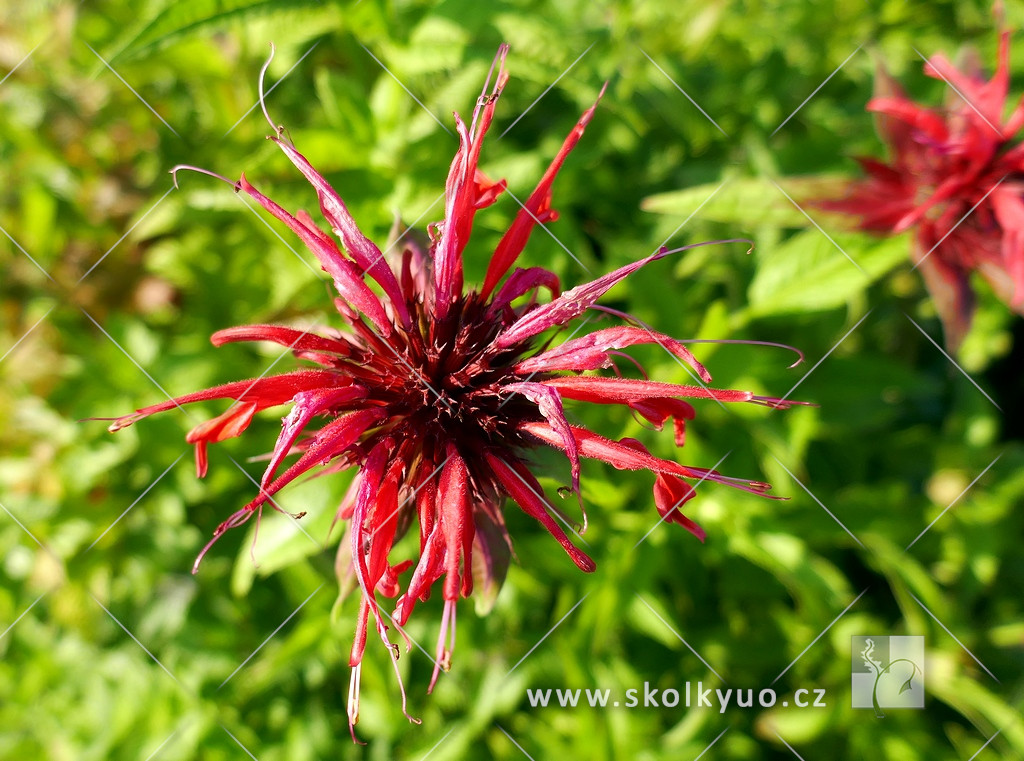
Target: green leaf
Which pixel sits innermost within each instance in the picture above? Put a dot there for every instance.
(749, 202)
(181, 18)
(811, 272)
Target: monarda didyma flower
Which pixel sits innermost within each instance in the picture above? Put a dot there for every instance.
(435, 393)
(955, 177)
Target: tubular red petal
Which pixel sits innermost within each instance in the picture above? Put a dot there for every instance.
(373, 475)
(622, 455)
(519, 283)
(549, 403)
(426, 498)
(626, 390)
(590, 352)
(330, 441)
(266, 392)
(296, 340)
(455, 514)
(347, 278)
(307, 405)
(576, 301)
(447, 262)
(515, 239)
(362, 250)
(527, 492)
(629, 454)
(427, 571)
(383, 522)
(359, 644)
(465, 193)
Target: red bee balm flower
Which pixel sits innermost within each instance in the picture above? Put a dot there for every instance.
(955, 176)
(435, 393)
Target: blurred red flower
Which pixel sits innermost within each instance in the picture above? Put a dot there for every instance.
(954, 176)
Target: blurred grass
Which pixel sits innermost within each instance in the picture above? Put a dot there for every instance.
(899, 433)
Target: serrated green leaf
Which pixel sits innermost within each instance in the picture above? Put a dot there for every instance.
(750, 202)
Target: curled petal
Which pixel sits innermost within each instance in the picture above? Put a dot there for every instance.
(225, 426)
(670, 494)
(659, 410)
(520, 282)
(486, 190)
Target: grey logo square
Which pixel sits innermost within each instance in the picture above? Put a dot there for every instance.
(887, 672)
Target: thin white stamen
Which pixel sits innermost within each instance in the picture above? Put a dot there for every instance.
(263, 103)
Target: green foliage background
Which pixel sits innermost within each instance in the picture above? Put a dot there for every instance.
(109, 295)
